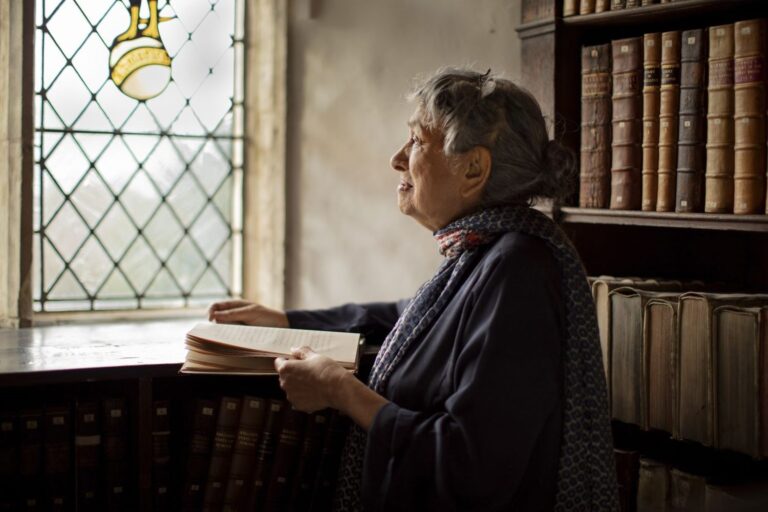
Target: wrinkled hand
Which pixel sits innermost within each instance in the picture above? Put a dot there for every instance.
(309, 379)
(244, 312)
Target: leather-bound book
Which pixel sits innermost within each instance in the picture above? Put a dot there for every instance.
(570, 7)
(88, 465)
(9, 459)
(57, 435)
(651, 98)
(587, 7)
(632, 3)
(30, 468)
(249, 425)
(278, 489)
(265, 453)
(686, 491)
(652, 486)
(116, 459)
(602, 5)
(330, 459)
(718, 188)
(161, 455)
(691, 140)
(618, 4)
(668, 112)
(627, 468)
(660, 344)
(629, 387)
(595, 177)
(749, 116)
(199, 453)
(309, 461)
(221, 453)
(626, 115)
(696, 370)
(741, 338)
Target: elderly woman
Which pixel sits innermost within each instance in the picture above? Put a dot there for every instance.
(488, 392)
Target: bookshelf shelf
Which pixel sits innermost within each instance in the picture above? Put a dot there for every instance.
(703, 221)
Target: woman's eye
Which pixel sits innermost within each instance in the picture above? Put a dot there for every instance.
(415, 140)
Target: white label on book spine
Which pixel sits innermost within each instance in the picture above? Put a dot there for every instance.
(58, 420)
(162, 411)
(116, 413)
(231, 406)
(89, 418)
(207, 411)
(625, 48)
(692, 40)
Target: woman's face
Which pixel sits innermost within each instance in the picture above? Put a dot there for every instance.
(430, 182)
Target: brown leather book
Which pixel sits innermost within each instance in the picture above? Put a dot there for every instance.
(627, 469)
(749, 116)
(265, 453)
(330, 459)
(691, 125)
(595, 177)
(741, 339)
(117, 479)
(668, 112)
(587, 7)
(651, 98)
(9, 459)
(88, 464)
(629, 385)
(278, 491)
(30, 468)
(198, 455)
(618, 4)
(686, 491)
(252, 414)
(652, 486)
(632, 3)
(696, 370)
(602, 5)
(570, 7)
(718, 189)
(221, 452)
(660, 345)
(626, 115)
(57, 433)
(309, 461)
(161, 455)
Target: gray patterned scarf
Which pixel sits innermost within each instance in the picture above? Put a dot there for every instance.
(586, 479)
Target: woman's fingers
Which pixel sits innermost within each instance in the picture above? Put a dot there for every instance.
(223, 306)
(302, 352)
(237, 314)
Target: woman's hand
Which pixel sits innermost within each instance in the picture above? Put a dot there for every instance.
(244, 312)
(310, 379)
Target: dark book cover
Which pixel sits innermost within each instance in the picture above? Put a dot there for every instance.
(9, 459)
(117, 483)
(309, 461)
(88, 464)
(31, 459)
(330, 459)
(651, 99)
(265, 453)
(199, 453)
(249, 426)
(278, 488)
(161, 455)
(57, 442)
(221, 453)
(595, 175)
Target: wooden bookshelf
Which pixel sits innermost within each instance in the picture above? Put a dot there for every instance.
(699, 221)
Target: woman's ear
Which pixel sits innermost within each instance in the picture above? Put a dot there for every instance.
(476, 172)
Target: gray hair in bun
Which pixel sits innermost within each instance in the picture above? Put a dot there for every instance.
(479, 109)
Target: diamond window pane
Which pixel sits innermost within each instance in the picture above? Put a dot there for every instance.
(135, 201)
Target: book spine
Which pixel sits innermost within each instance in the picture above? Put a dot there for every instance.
(9, 459)
(587, 7)
(278, 490)
(652, 486)
(763, 383)
(627, 473)
(58, 458)
(116, 459)
(221, 453)
(250, 424)
(265, 453)
(330, 459)
(309, 461)
(602, 5)
(626, 186)
(618, 4)
(627, 358)
(570, 7)
(595, 177)
(31, 459)
(691, 122)
(749, 116)
(161, 455)
(199, 454)
(668, 112)
(632, 3)
(649, 2)
(651, 98)
(718, 189)
(88, 455)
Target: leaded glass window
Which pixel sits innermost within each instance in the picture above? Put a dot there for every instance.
(138, 149)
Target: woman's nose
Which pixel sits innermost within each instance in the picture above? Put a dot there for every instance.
(399, 160)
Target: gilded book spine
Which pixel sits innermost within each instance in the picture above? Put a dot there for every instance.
(587, 7)
(570, 7)
(719, 169)
(595, 179)
(651, 94)
(691, 137)
(626, 186)
(749, 116)
(668, 111)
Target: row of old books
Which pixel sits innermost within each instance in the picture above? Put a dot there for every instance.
(690, 363)
(574, 7)
(676, 121)
(649, 485)
(248, 453)
(66, 457)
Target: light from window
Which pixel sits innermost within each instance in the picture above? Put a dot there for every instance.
(138, 150)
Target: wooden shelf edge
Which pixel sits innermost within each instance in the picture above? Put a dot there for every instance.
(703, 221)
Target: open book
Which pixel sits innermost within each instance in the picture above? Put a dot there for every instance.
(249, 350)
